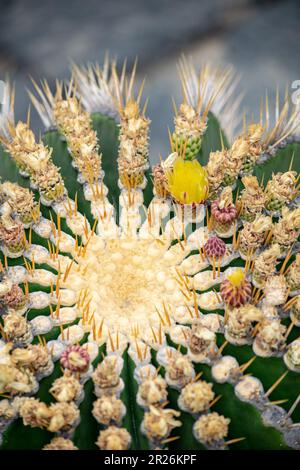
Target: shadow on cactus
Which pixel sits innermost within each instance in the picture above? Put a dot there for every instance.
(149, 308)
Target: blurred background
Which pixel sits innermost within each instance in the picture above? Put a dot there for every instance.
(260, 38)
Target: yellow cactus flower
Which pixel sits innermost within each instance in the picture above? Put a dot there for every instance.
(187, 182)
(237, 277)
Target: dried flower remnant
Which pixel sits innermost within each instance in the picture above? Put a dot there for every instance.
(14, 298)
(253, 234)
(16, 381)
(224, 213)
(12, 235)
(254, 137)
(114, 438)
(66, 388)
(158, 423)
(134, 143)
(35, 160)
(240, 323)
(21, 202)
(17, 329)
(76, 125)
(60, 443)
(42, 364)
(276, 290)
(34, 413)
(252, 199)
(20, 142)
(215, 169)
(265, 265)
(270, 339)
(152, 391)
(180, 371)
(50, 184)
(236, 156)
(196, 397)
(64, 417)
(108, 410)
(35, 358)
(106, 376)
(202, 344)
(211, 429)
(287, 229)
(280, 190)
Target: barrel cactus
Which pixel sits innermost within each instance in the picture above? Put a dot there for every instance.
(148, 308)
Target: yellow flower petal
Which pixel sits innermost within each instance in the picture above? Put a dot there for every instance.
(188, 182)
(237, 277)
